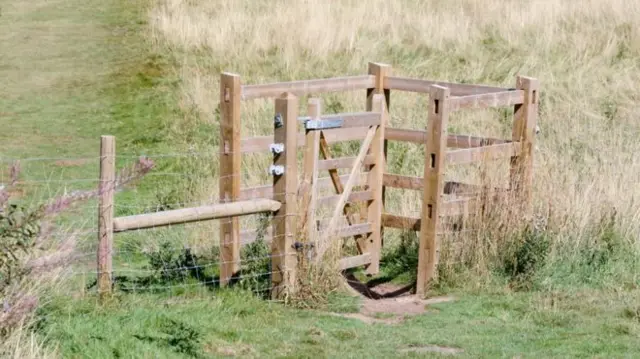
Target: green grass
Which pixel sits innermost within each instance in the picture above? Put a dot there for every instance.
(81, 69)
(203, 325)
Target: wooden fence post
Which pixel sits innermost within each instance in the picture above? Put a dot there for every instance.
(285, 190)
(436, 147)
(524, 131)
(374, 183)
(105, 213)
(310, 175)
(380, 71)
(230, 161)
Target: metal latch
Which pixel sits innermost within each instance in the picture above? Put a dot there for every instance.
(276, 148)
(323, 124)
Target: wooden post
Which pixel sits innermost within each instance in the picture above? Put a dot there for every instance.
(436, 147)
(310, 174)
(380, 71)
(285, 191)
(105, 213)
(230, 161)
(374, 183)
(524, 131)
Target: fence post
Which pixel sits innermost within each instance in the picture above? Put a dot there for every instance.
(436, 147)
(524, 125)
(374, 183)
(230, 161)
(105, 213)
(310, 174)
(380, 71)
(285, 190)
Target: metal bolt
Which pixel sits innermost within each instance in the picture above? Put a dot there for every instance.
(277, 121)
(276, 148)
(276, 170)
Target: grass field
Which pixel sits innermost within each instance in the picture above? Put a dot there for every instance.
(147, 72)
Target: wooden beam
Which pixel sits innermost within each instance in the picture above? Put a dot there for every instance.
(359, 196)
(423, 86)
(355, 261)
(524, 125)
(262, 143)
(401, 222)
(194, 214)
(106, 192)
(404, 182)
(433, 188)
(488, 100)
(454, 141)
(485, 153)
(345, 162)
(309, 188)
(230, 162)
(304, 87)
(285, 190)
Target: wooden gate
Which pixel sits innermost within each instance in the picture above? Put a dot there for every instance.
(366, 170)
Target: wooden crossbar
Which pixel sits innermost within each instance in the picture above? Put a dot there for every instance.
(477, 154)
(424, 86)
(304, 87)
(488, 100)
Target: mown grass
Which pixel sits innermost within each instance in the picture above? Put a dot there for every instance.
(569, 291)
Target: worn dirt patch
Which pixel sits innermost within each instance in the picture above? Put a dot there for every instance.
(388, 303)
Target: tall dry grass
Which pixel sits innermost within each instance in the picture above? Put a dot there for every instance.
(585, 54)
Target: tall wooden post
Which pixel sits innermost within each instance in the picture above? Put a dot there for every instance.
(230, 161)
(380, 71)
(436, 147)
(285, 191)
(524, 131)
(105, 213)
(374, 183)
(310, 174)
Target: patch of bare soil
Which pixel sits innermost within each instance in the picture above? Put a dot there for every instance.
(387, 303)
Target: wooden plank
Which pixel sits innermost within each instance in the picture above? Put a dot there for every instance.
(524, 125)
(354, 119)
(345, 162)
(346, 193)
(105, 214)
(454, 141)
(436, 146)
(355, 261)
(309, 188)
(194, 214)
(374, 184)
(401, 222)
(488, 100)
(423, 86)
(485, 153)
(262, 143)
(304, 87)
(359, 196)
(230, 162)
(284, 258)
(355, 230)
(267, 191)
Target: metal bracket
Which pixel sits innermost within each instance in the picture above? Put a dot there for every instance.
(276, 148)
(276, 170)
(277, 121)
(323, 124)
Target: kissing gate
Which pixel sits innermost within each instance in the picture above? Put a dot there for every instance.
(293, 197)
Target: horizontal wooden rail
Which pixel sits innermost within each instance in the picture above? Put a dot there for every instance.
(262, 143)
(355, 230)
(417, 184)
(303, 87)
(267, 191)
(355, 119)
(488, 100)
(424, 86)
(453, 141)
(355, 261)
(345, 162)
(359, 196)
(186, 215)
(477, 154)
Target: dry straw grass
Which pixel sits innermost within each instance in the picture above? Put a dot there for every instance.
(583, 52)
